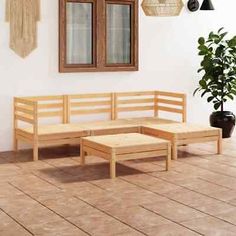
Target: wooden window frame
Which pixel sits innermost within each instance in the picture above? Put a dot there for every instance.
(99, 38)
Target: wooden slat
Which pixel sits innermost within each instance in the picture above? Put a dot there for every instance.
(90, 96)
(24, 119)
(142, 148)
(65, 110)
(198, 140)
(121, 130)
(50, 114)
(112, 106)
(92, 103)
(24, 110)
(65, 135)
(184, 116)
(92, 111)
(135, 101)
(170, 94)
(97, 146)
(170, 102)
(45, 98)
(134, 156)
(140, 93)
(24, 101)
(50, 105)
(24, 134)
(24, 139)
(197, 134)
(170, 109)
(61, 141)
(96, 152)
(155, 133)
(135, 108)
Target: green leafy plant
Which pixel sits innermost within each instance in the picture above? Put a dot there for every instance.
(219, 67)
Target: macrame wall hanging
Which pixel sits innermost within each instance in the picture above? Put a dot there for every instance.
(23, 16)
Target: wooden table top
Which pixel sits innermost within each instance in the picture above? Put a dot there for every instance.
(125, 140)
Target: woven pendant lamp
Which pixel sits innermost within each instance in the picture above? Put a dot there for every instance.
(162, 7)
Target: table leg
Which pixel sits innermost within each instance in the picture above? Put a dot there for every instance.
(168, 157)
(174, 151)
(82, 154)
(113, 166)
(219, 143)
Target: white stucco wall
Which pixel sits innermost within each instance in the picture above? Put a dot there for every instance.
(168, 61)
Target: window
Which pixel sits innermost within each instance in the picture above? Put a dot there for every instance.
(98, 35)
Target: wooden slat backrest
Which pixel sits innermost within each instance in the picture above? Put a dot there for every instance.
(133, 102)
(88, 104)
(24, 110)
(171, 102)
(51, 106)
(113, 104)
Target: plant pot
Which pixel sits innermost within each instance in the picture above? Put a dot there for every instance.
(224, 120)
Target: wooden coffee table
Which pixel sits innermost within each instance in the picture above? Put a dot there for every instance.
(120, 147)
(182, 134)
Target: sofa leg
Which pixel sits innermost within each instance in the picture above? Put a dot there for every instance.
(82, 156)
(15, 145)
(219, 146)
(113, 166)
(168, 158)
(36, 152)
(174, 151)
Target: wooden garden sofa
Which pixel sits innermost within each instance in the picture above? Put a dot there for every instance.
(64, 115)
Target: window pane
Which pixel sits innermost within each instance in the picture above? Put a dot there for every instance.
(118, 34)
(79, 33)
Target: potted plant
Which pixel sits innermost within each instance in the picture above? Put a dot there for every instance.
(218, 83)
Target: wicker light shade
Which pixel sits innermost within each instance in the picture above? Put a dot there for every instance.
(162, 7)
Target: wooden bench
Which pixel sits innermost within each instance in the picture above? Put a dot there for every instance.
(182, 133)
(120, 147)
(60, 119)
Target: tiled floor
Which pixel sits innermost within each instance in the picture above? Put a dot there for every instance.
(55, 196)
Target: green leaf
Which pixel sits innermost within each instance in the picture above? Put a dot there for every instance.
(220, 29)
(201, 53)
(230, 96)
(195, 91)
(201, 41)
(215, 93)
(203, 83)
(217, 105)
(199, 70)
(203, 48)
(232, 42)
(223, 35)
(219, 51)
(210, 99)
(202, 95)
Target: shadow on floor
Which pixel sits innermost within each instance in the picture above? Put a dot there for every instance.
(44, 154)
(90, 172)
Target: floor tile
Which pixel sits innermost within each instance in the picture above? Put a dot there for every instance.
(190, 198)
(211, 226)
(171, 229)
(99, 224)
(174, 211)
(138, 217)
(66, 205)
(56, 196)
(62, 228)
(215, 208)
(229, 216)
(9, 227)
